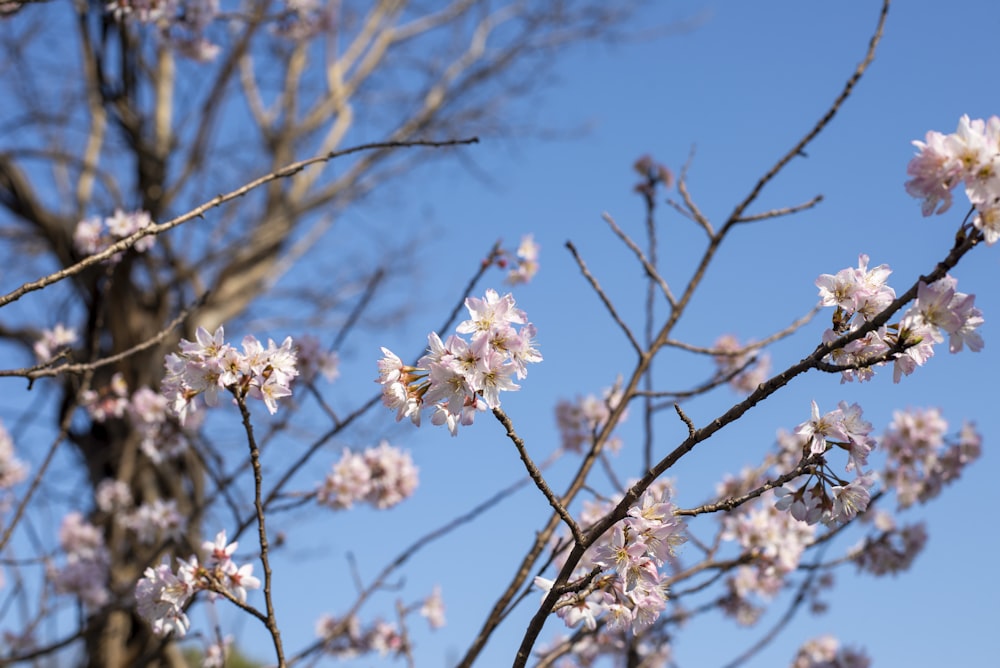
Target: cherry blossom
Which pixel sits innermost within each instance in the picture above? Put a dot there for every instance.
(209, 364)
(526, 265)
(859, 294)
(747, 367)
(921, 460)
(970, 156)
(631, 590)
(92, 235)
(457, 378)
(382, 476)
(162, 594)
(826, 652)
(433, 609)
(12, 469)
(580, 419)
(85, 571)
(54, 341)
(819, 429)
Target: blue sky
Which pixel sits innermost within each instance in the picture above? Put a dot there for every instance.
(739, 85)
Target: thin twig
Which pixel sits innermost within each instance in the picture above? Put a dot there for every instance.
(737, 214)
(604, 298)
(787, 211)
(726, 505)
(754, 345)
(692, 210)
(536, 475)
(47, 370)
(651, 271)
(199, 211)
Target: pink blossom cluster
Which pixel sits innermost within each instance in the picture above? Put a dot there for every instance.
(859, 294)
(217, 653)
(161, 438)
(748, 369)
(110, 401)
(777, 541)
(162, 595)
(182, 23)
(826, 652)
(824, 496)
(346, 639)
(381, 476)
(891, 550)
(920, 460)
(580, 420)
(630, 593)
(54, 341)
(432, 609)
(525, 264)
(94, 234)
(587, 650)
(314, 361)
(85, 572)
(152, 521)
(970, 156)
(209, 364)
(12, 469)
(456, 378)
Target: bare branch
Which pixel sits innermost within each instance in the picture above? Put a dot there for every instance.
(651, 271)
(604, 298)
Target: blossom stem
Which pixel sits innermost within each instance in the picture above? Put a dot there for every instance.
(270, 622)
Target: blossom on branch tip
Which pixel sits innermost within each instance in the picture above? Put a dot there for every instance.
(209, 364)
(162, 595)
(819, 430)
(968, 156)
(859, 294)
(526, 265)
(456, 378)
(53, 341)
(433, 609)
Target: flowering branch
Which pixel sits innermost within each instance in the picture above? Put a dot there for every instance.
(807, 464)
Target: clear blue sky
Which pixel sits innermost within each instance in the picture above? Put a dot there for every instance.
(741, 84)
